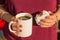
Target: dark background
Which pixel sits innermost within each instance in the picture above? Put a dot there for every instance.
(59, 31)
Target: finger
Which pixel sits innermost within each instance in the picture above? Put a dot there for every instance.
(15, 33)
(14, 26)
(50, 18)
(19, 26)
(50, 12)
(47, 24)
(47, 21)
(44, 23)
(19, 30)
(52, 23)
(14, 19)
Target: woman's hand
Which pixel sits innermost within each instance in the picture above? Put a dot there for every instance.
(49, 21)
(16, 26)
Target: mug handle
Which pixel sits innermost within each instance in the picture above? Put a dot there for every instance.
(10, 26)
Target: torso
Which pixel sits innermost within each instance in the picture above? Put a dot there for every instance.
(32, 6)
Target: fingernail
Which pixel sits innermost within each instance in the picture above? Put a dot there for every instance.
(38, 22)
(47, 17)
(20, 30)
(20, 26)
(16, 20)
(41, 20)
(49, 11)
(13, 18)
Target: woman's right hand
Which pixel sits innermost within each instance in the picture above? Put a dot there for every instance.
(16, 26)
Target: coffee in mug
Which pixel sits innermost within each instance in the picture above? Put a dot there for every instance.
(24, 17)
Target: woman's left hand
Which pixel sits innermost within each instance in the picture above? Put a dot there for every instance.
(49, 21)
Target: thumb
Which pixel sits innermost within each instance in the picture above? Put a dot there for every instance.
(14, 19)
(50, 12)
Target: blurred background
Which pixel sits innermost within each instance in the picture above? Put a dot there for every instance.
(58, 30)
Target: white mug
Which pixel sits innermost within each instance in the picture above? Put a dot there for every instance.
(26, 25)
(40, 17)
